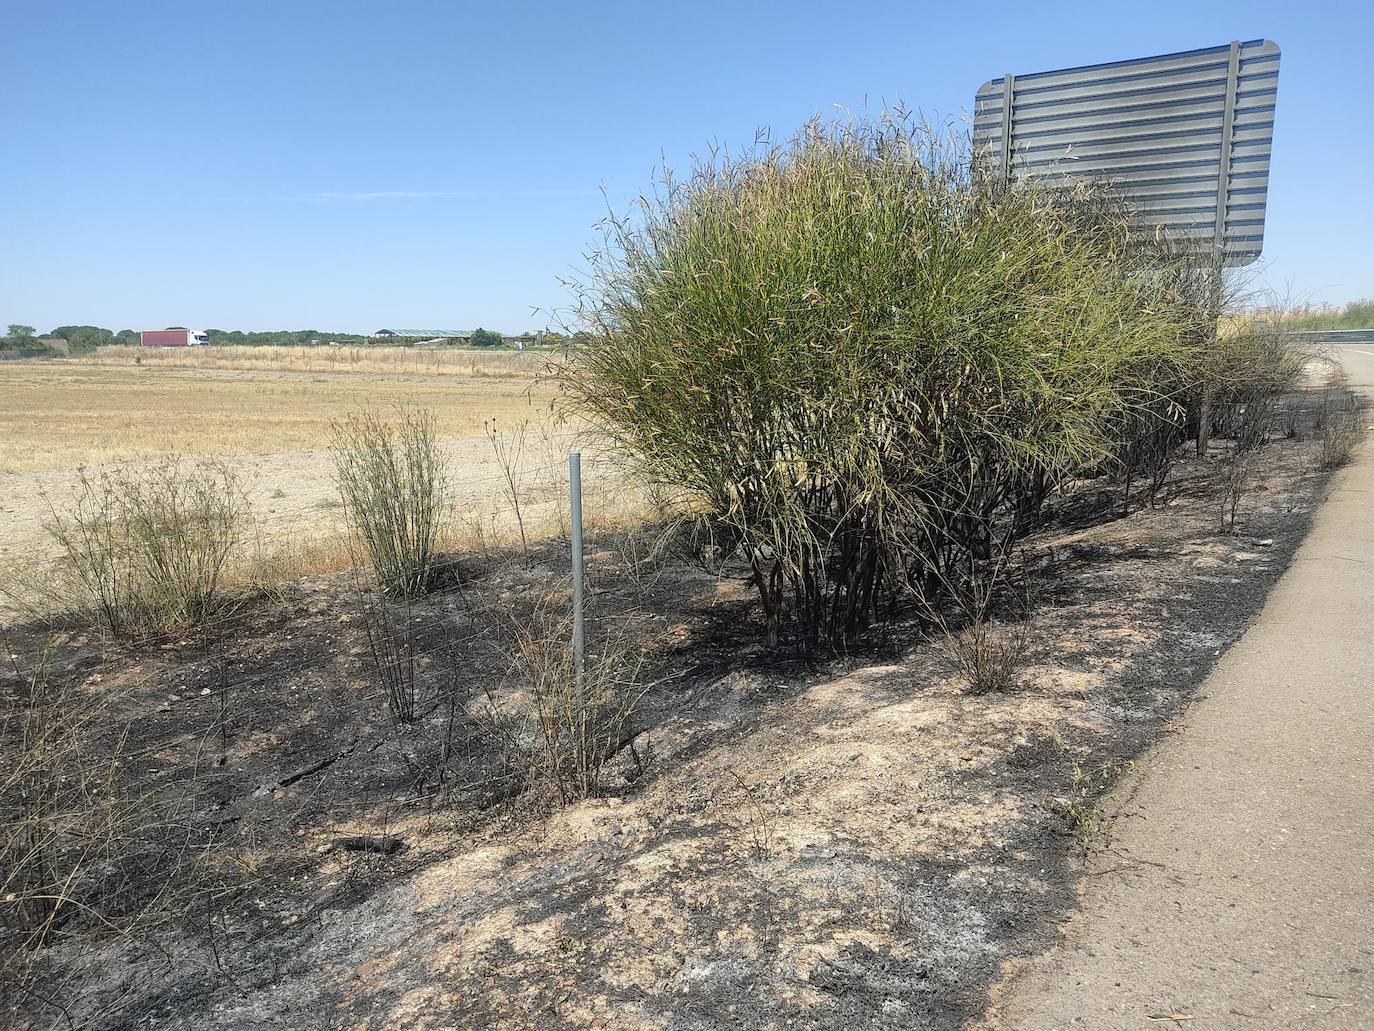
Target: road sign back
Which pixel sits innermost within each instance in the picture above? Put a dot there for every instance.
(1185, 137)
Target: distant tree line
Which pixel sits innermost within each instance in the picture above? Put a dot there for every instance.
(20, 339)
(24, 340)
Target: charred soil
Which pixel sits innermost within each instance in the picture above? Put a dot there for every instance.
(783, 841)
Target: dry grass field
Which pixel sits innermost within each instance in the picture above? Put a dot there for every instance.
(269, 413)
(368, 360)
(60, 415)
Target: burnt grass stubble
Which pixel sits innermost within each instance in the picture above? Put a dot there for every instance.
(299, 694)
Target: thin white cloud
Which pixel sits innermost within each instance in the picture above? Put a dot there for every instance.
(383, 195)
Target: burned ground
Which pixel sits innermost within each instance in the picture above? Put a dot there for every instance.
(790, 842)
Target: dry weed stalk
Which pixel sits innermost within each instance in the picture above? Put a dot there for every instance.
(760, 830)
(393, 651)
(509, 450)
(1236, 483)
(568, 726)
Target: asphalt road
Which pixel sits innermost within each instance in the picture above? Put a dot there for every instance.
(1243, 896)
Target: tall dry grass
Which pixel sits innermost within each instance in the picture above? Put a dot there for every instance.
(1254, 361)
(1353, 315)
(60, 414)
(83, 859)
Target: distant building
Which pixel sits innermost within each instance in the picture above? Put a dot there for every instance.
(457, 337)
(453, 336)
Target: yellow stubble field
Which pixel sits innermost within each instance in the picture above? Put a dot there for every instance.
(65, 414)
(267, 412)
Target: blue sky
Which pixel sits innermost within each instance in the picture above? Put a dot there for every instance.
(349, 166)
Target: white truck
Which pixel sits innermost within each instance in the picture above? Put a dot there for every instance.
(173, 338)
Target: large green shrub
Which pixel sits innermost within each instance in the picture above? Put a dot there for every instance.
(860, 359)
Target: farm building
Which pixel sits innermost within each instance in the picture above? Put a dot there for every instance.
(453, 336)
(459, 337)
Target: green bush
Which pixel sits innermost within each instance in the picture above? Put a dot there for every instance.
(859, 358)
(21, 342)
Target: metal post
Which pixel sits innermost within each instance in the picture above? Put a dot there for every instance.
(575, 506)
(1008, 95)
(1228, 123)
(1204, 417)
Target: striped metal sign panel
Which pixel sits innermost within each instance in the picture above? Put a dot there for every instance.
(1185, 137)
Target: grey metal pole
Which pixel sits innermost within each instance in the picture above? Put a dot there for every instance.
(575, 506)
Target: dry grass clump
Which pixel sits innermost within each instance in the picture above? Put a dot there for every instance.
(269, 565)
(982, 650)
(1341, 433)
(987, 656)
(1254, 362)
(569, 722)
(393, 485)
(865, 362)
(145, 549)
